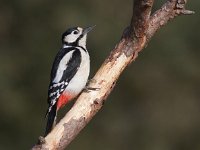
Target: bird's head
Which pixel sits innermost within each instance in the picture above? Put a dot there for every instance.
(76, 36)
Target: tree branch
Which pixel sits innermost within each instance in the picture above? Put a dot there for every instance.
(134, 39)
(168, 11)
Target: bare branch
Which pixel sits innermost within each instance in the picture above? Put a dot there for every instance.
(168, 11)
(140, 18)
(135, 37)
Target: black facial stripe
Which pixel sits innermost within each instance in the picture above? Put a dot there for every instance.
(82, 48)
(73, 44)
(79, 38)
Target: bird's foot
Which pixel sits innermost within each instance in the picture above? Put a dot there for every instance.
(41, 140)
(88, 89)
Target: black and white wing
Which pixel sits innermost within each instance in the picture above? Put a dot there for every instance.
(65, 66)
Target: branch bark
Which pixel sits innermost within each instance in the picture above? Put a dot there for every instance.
(135, 37)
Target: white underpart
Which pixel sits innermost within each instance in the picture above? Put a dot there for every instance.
(79, 81)
(62, 66)
(82, 41)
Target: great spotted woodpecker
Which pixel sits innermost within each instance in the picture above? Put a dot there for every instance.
(69, 73)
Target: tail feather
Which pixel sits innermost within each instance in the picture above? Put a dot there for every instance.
(51, 119)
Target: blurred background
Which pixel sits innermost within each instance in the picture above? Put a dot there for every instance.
(155, 104)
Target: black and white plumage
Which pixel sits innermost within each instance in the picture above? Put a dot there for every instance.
(69, 72)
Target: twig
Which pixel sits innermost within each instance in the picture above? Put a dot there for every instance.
(168, 11)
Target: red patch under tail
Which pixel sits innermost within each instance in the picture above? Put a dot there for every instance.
(63, 100)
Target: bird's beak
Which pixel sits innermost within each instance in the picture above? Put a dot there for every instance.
(88, 29)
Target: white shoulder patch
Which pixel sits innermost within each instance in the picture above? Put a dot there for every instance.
(62, 66)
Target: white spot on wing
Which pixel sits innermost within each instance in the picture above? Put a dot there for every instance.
(58, 84)
(52, 103)
(52, 94)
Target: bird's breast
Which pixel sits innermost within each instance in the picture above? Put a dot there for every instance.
(79, 80)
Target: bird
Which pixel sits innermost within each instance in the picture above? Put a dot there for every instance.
(69, 73)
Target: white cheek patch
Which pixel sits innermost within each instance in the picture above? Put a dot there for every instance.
(82, 41)
(71, 37)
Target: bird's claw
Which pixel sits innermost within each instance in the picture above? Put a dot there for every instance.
(88, 89)
(41, 140)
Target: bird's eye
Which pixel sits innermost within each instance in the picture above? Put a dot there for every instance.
(75, 32)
